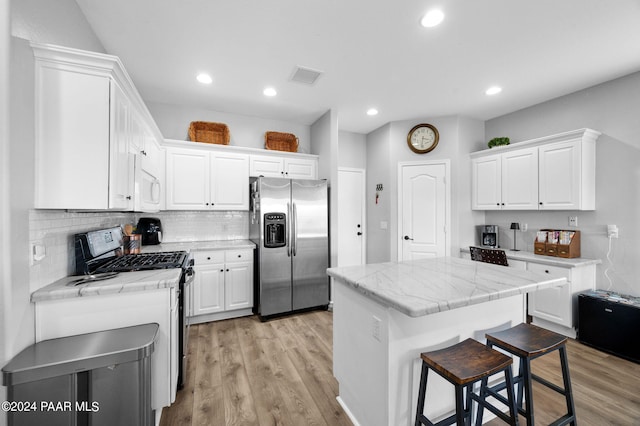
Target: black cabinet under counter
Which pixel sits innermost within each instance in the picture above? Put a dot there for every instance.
(610, 322)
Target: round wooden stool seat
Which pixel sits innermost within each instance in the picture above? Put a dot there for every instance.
(462, 365)
(529, 342)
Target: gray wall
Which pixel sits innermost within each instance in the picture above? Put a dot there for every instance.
(6, 348)
(612, 108)
(173, 121)
(353, 150)
(386, 147)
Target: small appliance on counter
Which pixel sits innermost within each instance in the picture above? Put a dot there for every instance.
(488, 236)
(151, 230)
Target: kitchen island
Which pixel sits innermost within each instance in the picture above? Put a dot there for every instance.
(386, 314)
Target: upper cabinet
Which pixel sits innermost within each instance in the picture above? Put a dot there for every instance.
(90, 126)
(552, 173)
(203, 179)
(300, 166)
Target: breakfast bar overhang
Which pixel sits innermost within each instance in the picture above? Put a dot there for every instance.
(386, 314)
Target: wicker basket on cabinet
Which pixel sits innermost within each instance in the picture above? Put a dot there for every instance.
(279, 141)
(208, 132)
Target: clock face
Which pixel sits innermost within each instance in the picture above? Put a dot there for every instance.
(423, 138)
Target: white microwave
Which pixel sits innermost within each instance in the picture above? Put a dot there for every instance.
(148, 189)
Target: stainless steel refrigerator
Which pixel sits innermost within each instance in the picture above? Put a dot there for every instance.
(289, 224)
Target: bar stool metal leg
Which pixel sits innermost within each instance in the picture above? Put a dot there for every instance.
(421, 394)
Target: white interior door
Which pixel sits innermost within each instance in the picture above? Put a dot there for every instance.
(351, 216)
(424, 207)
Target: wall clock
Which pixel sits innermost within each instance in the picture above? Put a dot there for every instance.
(423, 138)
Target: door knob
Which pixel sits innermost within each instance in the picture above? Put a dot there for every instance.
(406, 237)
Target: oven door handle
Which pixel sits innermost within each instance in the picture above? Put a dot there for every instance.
(189, 276)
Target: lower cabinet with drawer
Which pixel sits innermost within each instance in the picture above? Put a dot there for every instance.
(557, 308)
(223, 285)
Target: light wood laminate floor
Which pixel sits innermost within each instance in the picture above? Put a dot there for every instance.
(246, 372)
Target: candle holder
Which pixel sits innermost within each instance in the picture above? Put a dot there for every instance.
(515, 226)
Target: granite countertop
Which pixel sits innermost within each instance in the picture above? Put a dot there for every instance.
(427, 286)
(200, 246)
(121, 283)
(527, 256)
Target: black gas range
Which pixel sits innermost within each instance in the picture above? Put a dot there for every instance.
(101, 252)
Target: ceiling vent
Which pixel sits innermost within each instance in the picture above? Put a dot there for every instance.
(305, 75)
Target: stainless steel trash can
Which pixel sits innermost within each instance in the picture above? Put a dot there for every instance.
(101, 378)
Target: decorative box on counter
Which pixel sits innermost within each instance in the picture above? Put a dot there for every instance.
(555, 242)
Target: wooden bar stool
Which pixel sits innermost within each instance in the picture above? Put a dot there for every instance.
(529, 342)
(464, 364)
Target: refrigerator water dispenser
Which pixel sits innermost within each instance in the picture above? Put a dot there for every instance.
(275, 230)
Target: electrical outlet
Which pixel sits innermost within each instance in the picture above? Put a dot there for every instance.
(573, 220)
(524, 227)
(38, 252)
(375, 329)
(612, 231)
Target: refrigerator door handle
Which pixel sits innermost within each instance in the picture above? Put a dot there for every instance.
(288, 225)
(294, 231)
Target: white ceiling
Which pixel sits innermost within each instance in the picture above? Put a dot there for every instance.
(373, 53)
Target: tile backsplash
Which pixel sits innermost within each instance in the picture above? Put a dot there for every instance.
(54, 229)
(179, 226)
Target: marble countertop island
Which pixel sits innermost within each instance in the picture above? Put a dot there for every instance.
(426, 286)
(386, 314)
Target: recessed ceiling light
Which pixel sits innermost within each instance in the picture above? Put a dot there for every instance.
(432, 18)
(372, 111)
(269, 91)
(204, 78)
(494, 90)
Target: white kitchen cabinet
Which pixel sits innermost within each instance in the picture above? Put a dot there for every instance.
(554, 308)
(88, 119)
(286, 167)
(520, 179)
(486, 180)
(198, 179)
(121, 170)
(567, 176)
(223, 285)
(506, 181)
(552, 173)
(552, 304)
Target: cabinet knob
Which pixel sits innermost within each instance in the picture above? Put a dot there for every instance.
(497, 204)
(503, 204)
(546, 271)
(208, 258)
(207, 204)
(239, 255)
(143, 152)
(359, 233)
(227, 270)
(540, 203)
(221, 270)
(128, 197)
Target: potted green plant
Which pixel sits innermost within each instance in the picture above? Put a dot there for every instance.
(498, 141)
